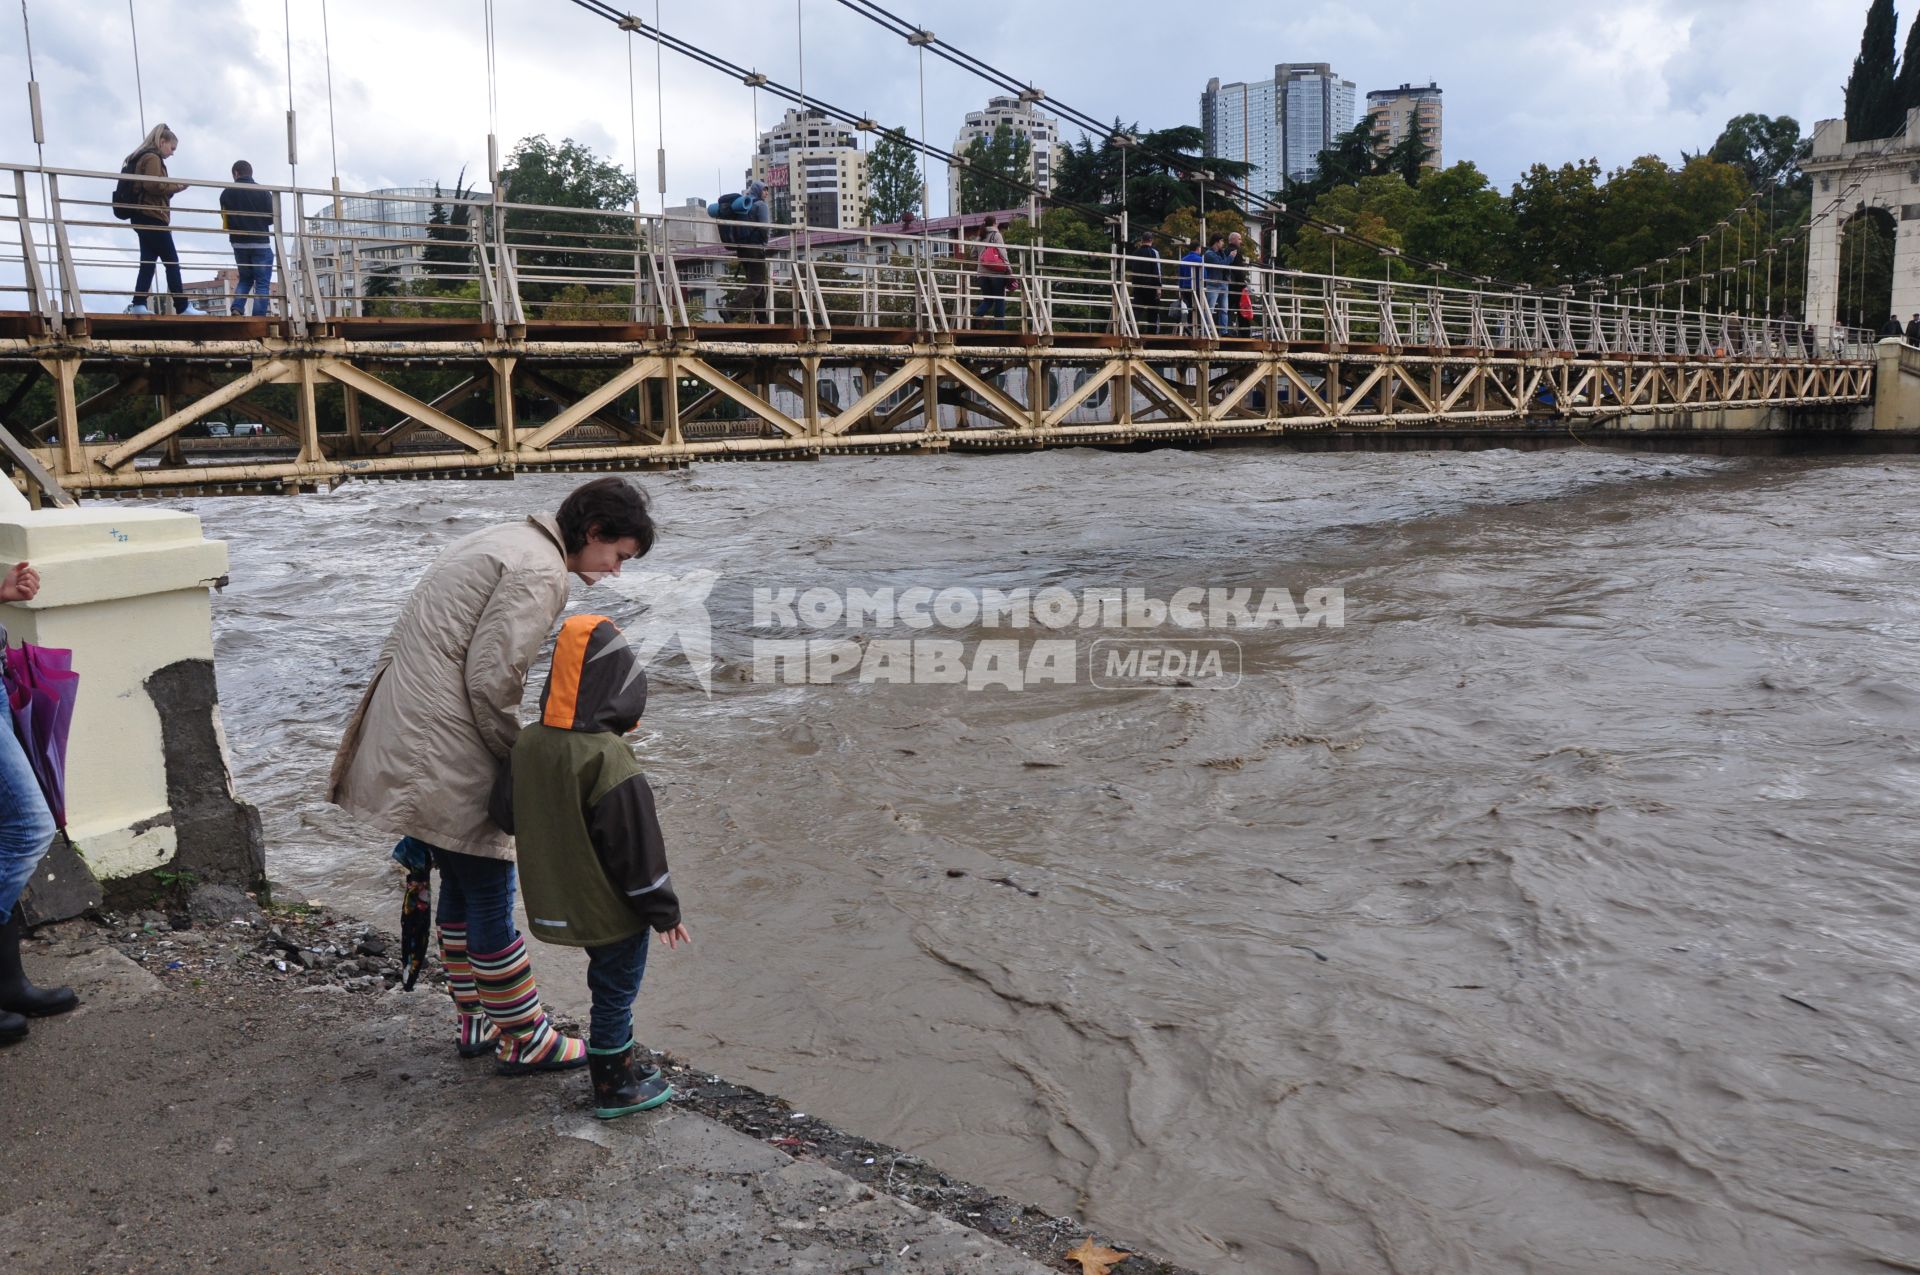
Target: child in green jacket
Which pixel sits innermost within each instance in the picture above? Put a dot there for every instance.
(593, 867)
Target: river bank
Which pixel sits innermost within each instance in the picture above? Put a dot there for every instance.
(252, 1091)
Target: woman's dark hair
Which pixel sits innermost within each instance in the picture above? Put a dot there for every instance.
(611, 509)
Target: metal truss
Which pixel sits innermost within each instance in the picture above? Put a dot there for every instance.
(673, 399)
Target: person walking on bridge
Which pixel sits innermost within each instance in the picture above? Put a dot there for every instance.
(247, 213)
(1144, 280)
(749, 245)
(992, 273)
(1913, 330)
(147, 205)
(1216, 272)
(1191, 269)
(440, 716)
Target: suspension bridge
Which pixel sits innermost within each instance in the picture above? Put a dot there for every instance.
(562, 338)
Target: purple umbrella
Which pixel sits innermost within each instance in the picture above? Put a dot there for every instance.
(41, 690)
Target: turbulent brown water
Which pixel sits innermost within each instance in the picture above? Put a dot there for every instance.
(1555, 915)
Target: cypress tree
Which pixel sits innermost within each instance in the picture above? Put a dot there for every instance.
(1906, 85)
(1872, 109)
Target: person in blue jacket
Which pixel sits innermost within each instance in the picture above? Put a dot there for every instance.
(1191, 272)
(1217, 261)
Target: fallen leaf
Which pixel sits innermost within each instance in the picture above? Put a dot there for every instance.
(1095, 1259)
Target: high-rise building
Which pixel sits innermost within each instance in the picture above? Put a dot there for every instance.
(1280, 125)
(1392, 113)
(1041, 130)
(814, 170)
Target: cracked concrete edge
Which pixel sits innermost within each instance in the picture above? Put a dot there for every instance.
(673, 1178)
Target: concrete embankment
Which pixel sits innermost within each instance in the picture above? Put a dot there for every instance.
(251, 1093)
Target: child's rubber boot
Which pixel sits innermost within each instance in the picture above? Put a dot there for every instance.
(617, 1089)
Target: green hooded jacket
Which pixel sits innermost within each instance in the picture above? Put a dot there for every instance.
(593, 865)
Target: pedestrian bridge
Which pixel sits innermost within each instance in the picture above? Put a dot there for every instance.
(493, 338)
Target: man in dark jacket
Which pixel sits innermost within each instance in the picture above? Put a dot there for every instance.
(593, 865)
(1913, 330)
(1144, 280)
(246, 213)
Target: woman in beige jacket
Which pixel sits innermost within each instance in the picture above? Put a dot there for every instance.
(441, 714)
(148, 206)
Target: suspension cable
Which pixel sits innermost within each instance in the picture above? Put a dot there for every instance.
(633, 123)
(33, 92)
(333, 144)
(139, 89)
(926, 186)
(798, 181)
(493, 100)
(293, 148)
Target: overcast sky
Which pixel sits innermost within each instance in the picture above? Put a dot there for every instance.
(1524, 80)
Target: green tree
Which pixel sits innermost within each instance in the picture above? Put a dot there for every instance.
(1555, 215)
(1380, 209)
(1906, 82)
(893, 179)
(1872, 109)
(555, 249)
(449, 252)
(1149, 178)
(997, 173)
(1769, 148)
(1408, 157)
(1347, 162)
(1463, 221)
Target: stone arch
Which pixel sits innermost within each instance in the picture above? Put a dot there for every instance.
(1880, 179)
(1864, 295)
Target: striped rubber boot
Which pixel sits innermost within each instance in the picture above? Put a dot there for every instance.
(528, 1040)
(477, 1034)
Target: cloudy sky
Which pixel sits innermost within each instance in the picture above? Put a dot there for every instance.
(1524, 80)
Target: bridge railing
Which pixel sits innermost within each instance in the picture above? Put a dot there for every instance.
(64, 255)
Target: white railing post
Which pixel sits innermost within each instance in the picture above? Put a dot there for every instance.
(291, 308)
(72, 302)
(38, 298)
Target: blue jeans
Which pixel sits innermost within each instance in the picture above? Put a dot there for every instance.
(26, 826)
(255, 261)
(1217, 302)
(613, 976)
(993, 297)
(478, 893)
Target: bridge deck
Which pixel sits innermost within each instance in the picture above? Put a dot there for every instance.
(365, 397)
(20, 332)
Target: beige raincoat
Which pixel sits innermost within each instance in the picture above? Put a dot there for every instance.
(442, 710)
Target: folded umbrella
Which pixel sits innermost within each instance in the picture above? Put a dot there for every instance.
(41, 691)
(416, 907)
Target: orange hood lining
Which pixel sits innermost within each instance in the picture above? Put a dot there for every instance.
(569, 663)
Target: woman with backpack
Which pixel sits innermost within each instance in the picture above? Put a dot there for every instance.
(992, 272)
(146, 205)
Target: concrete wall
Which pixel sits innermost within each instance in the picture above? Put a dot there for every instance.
(127, 590)
(1896, 386)
(1744, 420)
